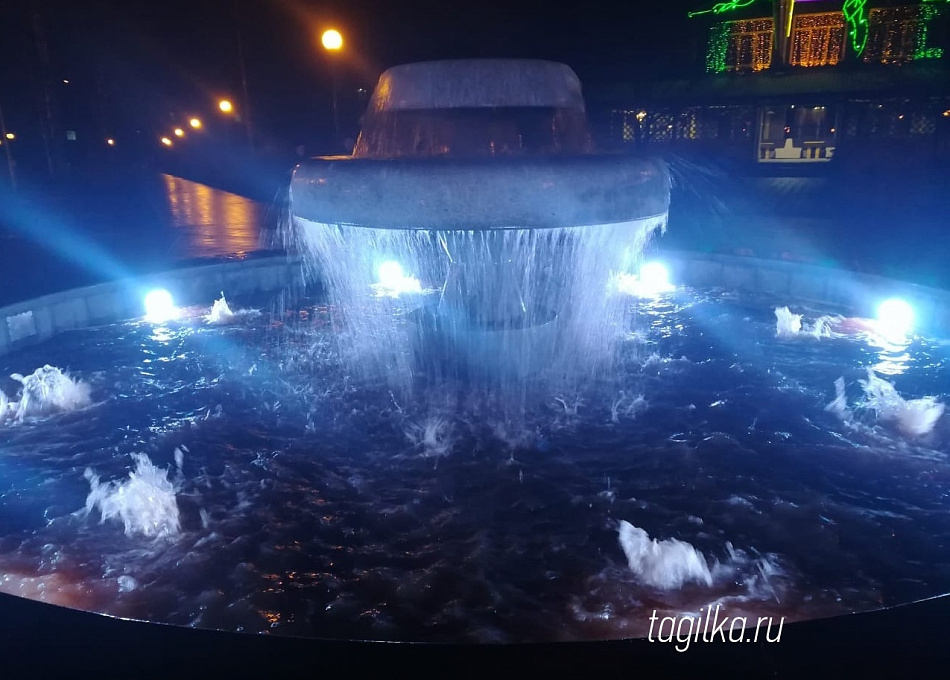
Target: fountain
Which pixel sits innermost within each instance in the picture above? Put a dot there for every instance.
(475, 181)
(490, 425)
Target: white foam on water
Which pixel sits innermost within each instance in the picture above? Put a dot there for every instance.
(665, 564)
(434, 436)
(221, 311)
(787, 325)
(627, 405)
(839, 405)
(913, 417)
(145, 503)
(6, 409)
(46, 390)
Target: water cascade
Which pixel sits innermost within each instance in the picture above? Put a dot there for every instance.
(471, 237)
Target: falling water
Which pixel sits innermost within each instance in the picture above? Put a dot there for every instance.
(494, 306)
(469, 243)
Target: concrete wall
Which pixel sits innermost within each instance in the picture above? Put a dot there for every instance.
(33, 321)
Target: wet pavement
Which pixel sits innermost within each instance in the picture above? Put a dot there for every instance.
(154, 222)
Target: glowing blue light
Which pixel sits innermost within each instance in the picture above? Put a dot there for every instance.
(895, 317)
(653, 280)
(654, 277)
(159, 306)
(390, 274)
(392, 281)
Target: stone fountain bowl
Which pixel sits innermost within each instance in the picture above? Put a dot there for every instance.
(478, 144)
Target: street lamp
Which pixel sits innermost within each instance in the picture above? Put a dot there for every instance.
(179, 132)
(10, 136)
(166, 141)
(332, 41)
(226, 106)
(195, 123)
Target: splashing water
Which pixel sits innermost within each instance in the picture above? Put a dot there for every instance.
(145, 503)
(913, 417)
(506, 302)
(839, 406)
(790, 325)
(434, 436)
(220, 311)
(787, 325)
(665, 564)
(45, 391)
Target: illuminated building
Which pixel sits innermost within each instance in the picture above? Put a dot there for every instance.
(806, 33)
(811, 83)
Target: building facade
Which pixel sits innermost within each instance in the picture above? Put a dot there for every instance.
(809, 83)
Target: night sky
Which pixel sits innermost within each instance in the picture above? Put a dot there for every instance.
(134, 61)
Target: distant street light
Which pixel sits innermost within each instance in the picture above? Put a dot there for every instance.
(166, 141)
(8, 152)
(179, 132)
(195, 123)
(110, 141)
(225, 106)
(332, 40)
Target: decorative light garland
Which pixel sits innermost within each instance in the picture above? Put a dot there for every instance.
(856, 14)
(721, 7)
(927, 14)
(718, 47)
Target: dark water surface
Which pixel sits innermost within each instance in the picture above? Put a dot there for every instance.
(311, 505)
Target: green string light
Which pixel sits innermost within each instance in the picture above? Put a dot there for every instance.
(856, 14)
(927, 14)
(718, 47)
(721, 7)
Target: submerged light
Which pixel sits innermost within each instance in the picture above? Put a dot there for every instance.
(390, 274)
(159, 306)
(654, 278)
(392, 280)
(895, 317)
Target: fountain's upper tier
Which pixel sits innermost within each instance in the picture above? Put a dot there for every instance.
(478, 144)
(477, 83)
(476, 107)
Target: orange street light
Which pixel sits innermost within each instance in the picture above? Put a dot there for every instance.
(110, 141)
(332, 40)
(179, 132)
(10, 135)
(195, 123)
(166, 141)
(225, 106)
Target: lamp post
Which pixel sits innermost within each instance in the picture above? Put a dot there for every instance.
(332, 42)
